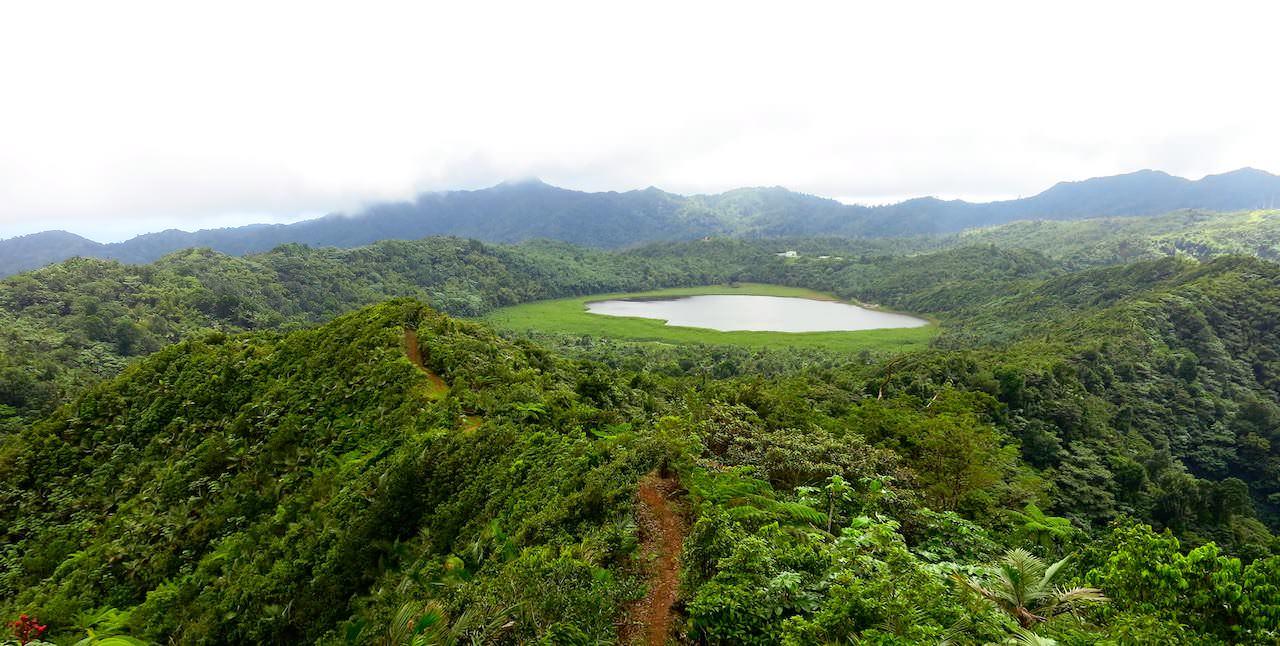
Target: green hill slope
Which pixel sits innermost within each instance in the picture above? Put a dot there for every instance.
(258, 489)
(320, 486)
(71, 324)
(1109, 241)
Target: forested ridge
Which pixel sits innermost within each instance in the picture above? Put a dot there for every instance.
(72, 323)
(525, 210)
(219, 449)
(1106, 241)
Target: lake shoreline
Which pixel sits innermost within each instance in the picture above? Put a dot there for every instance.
(754, 313)
(569, 316)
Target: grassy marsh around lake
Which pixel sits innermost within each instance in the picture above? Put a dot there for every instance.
(570, 316)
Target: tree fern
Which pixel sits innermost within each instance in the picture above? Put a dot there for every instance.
(1022, 586)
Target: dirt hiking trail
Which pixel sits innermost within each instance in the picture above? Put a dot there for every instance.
(414, 352)
(662, 529)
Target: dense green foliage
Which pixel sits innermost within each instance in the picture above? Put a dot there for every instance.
(315, 486)
(266, 488)
(264, 476)
(1109, 241)
(70, 324)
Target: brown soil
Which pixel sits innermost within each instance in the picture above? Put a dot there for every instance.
(470, 423)
(436, 386)
(414, 352)
(649, 621)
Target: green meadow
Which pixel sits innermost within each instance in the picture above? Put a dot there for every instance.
(570, 316)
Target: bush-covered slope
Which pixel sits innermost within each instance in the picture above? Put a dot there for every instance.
(68, 325)
(261, 488)
(1110, 241)
(317, 486)
(1127, 384)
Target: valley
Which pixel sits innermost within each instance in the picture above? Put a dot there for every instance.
(647, 324)
(575, 316)
(337, 446)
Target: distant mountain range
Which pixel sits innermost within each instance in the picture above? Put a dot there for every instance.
(516, 211)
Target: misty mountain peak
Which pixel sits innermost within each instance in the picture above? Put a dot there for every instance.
(528, 208)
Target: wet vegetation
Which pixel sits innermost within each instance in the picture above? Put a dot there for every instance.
(212, 449)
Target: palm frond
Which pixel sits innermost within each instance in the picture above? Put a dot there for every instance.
(1052, 571)
(899, 623)
(401, 630)
(1069, 599)
(979, 590)
(1022, 587)
(1024, 637)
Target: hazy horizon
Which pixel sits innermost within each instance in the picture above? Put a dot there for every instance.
(233, 221)
(154, 116)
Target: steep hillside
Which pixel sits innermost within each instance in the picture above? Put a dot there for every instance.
(263, 488)
(70, 324)
(1168, 364)
(1109, 241)
(399, 477)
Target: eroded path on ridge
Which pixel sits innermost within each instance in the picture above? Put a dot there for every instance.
(414, 352)
(662, 530)
(436, 386)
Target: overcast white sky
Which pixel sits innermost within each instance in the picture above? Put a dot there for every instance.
(123, 117)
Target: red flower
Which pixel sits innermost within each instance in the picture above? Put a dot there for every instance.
(26, 629)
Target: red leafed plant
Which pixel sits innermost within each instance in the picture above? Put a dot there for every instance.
(26, 629)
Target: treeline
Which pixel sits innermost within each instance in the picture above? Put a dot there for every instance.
(1148, 382)
(304, 483)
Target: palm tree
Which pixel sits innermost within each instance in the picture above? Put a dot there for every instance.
(419, 625)
(1042, 529)
(429, 625)
(1022, 586)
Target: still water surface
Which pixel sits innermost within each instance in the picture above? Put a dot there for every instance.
(757, 313)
